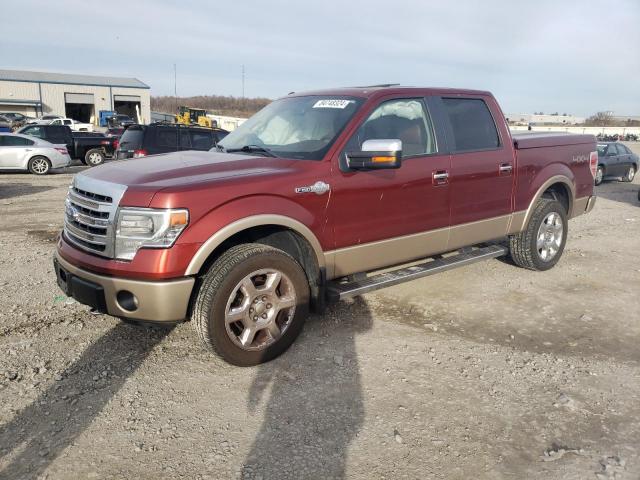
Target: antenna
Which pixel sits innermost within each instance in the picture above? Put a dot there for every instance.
(175, 85)
(243, 81)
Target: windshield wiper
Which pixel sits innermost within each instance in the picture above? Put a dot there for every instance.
(251, 149)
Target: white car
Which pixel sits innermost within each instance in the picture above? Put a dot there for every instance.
(21, 152)
(58, 120)
(72, 124)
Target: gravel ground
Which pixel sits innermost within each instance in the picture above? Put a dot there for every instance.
(486, 372)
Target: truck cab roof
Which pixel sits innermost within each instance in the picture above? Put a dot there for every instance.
(386, 89)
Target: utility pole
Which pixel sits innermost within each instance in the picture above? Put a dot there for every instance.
(243, 81)
(175, 86)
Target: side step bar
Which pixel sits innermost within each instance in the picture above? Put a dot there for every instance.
(338, 290)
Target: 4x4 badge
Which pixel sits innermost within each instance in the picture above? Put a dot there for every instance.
(318, 188)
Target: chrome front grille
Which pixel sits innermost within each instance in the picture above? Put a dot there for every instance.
(90, 215)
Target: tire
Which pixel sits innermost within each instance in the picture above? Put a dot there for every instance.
(599, 175)
(94, 157)
(524, 246)
(227, 286)
(629, 176)
(39, 165)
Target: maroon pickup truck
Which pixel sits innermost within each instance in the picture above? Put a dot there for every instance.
(307, 201)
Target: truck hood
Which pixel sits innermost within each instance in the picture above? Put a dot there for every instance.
(143, 177)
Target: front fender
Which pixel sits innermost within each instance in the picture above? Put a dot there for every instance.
(248, 212)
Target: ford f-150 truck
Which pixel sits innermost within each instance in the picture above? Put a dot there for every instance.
(307, 201)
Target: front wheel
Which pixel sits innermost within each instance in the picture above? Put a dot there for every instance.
(252, 304)
(39, 165)
(540, 245)
(629, 176)
(94, 157)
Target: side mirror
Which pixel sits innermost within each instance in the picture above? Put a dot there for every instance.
(376, 154)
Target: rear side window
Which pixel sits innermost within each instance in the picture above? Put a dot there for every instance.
(58, 135)
(472, 125)
(220, 135)
(201, 140)
(132, 139)
(167, 137)
(8, 141)
(613, 149)
(185, 141)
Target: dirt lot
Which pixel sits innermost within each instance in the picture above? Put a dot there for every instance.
(487, 372)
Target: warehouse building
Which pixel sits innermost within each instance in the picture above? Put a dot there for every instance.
(81, 97)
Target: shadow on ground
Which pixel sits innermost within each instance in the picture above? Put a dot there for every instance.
(314, 406)
(619, 192)
(21, 189)
(40, 432)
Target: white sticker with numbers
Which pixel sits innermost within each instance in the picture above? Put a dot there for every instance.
(335, 103)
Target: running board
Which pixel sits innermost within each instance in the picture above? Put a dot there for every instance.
(344, 289)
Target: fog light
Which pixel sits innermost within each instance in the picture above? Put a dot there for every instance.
(127, 300)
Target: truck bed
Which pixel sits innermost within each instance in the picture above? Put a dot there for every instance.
(524, 140)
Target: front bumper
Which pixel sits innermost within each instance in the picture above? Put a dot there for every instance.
(161, 301)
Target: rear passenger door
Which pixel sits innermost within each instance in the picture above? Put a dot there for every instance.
(624, 158)
(166, 140)
(613, 166)
(482, 166)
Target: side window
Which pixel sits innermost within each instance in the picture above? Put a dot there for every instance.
(613, 149)
(220, 135)
(56, 122)
(185, 141)
(201, 140)
(167, 137)
(16, 141)
(404, 119)
(471, 123)
(67, 122)
(35, 132)
(57, 135)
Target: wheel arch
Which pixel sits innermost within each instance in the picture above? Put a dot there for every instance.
(277, 231)
(559, 187)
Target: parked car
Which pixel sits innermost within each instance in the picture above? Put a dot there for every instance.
(119, 120)
(6, 125)
(91, 148)
(43, 120)
(315, 194)
(615, 160)
(20, 152)
(73, 125)
(142, 140)
(17, 119)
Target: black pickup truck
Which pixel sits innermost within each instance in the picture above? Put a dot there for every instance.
(89, 147)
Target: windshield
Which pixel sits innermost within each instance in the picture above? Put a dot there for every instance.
(295, 127)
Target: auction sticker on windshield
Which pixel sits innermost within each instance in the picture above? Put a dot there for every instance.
(335, 103)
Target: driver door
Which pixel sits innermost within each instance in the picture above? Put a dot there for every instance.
(386, 217)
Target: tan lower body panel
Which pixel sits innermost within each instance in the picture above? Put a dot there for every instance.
(398, 250)
(162, 301)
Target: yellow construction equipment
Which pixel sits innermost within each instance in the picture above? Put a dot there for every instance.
(193, 116)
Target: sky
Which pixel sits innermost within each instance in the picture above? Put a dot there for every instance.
(565, 56)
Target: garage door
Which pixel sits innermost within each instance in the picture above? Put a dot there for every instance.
(79, 106)
(86, 98)
(126, 105)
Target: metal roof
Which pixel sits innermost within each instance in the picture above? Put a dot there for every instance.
(70, 78)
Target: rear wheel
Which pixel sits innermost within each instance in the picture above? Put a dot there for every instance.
(540, 245)
(629, 176)
(39, 165)
(94, 157)
(599, 175)
(252, 304)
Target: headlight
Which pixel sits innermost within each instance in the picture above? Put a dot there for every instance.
(147, 227)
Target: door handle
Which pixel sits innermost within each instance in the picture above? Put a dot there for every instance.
(505, 168)
(440, 177)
